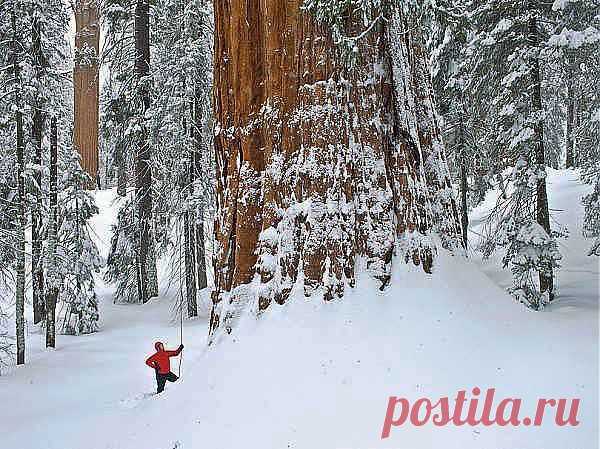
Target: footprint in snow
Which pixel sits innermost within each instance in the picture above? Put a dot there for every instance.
(135, 400)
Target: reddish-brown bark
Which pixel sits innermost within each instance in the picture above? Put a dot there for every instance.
(316, 163)
(86, 91)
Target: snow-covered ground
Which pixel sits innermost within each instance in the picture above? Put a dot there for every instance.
(314, 375)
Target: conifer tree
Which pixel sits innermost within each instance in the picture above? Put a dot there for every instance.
(16, 14)
(512, 32)
(53, 277)
(146, 259)
(176, 131)
(39, 67)
(36, 84)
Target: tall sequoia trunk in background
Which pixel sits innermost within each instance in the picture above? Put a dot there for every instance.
(317, 164)
(86, 86)
(146, 262)
(37, 131)
(542, 212)
(53, 276)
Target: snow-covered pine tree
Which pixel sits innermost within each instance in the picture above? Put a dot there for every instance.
(146, 258)
(510, 34)
(8, 189)
(591, 220)
(15, 29)
(17, 13)
(78, 255)
(130, 84)
(575, 42)
(121, 265)
(47, 59)
(37, 58)
(589, 160)
(183, 163)
(7, 232)
(53, 276)
(119, 140)
(117, 92)
(72, 256)
(331, 151)
(176, 130)
(39, 66)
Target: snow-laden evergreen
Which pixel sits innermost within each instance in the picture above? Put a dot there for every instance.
(35, 91)
(77, 255)
(178, 135)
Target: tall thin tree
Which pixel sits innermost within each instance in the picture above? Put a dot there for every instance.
(146, 263)
(542, 212)
(20, 217)
(37, 270)
(53, 276)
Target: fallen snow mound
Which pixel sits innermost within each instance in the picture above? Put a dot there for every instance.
(319, 375)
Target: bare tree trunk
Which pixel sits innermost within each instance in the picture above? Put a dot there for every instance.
(196, 173)
(187, 186)
(463, 204)
(143, 170)
(543, 214)
(53, 281)
(20, 224)
(464, 185)
(37, 271)
(121, 163)
(570, 163)
(190, 267)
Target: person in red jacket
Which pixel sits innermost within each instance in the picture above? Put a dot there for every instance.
(161, 363)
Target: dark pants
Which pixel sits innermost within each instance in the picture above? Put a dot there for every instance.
(161, 379)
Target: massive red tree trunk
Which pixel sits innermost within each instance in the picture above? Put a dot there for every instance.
(317, 163)
(86, 90)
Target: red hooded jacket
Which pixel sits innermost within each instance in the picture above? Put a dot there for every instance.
(161, 358)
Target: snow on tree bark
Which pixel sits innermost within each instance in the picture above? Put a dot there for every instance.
(86, 86)
(37, 272)
(317, 162)
(146, 260)
(196, 174)
(569, 137)
(189, 228)
(53, 276)
(542, 212)
(20, 216)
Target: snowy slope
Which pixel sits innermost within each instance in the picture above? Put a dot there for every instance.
(315, 375)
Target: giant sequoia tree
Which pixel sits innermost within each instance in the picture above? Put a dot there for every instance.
(86, 85)
(327, 149)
